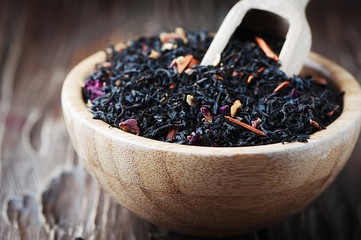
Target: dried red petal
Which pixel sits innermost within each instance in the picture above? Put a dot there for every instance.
(266, 49)
(172, 131)
(224, 109)
(130, 125)
(144, 48)
(295, 93)
(314, 124)
(256, 122)
(92, 89)
(184, 63)
(172, 64)
(253, 75)
(320, 81)
(207, 114)
(195, 138)
(218, 77)
(245, 126)
(193, 62)
(333, 111)
(281, 86)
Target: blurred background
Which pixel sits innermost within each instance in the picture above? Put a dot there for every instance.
(40, 41)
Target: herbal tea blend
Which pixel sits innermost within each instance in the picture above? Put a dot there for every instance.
(154, 87)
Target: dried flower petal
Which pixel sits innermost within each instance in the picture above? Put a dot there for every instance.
(333, 111)
(223, 110)
(168, 37)
(281, 86)
(235, 106)
(92, 89)
(239, 74)
(266, 49)
(184, 63)
(172, 131)
(194, 62)
(314, 125)
(172, 64)
(169, 46)
(245, 126)
(154, 54)
(182, 34)
(107, 64)
(295, 93)
(218, 77)
(178, 60)
(144, 48)
(130, 125)
(191, 100)
(174, 36)
(320, 81)
(249, 79)
(120, 47)
(207, 114)
(195, 138)
(256, 122)
(89, 103)
(253, 75)
(189, 70)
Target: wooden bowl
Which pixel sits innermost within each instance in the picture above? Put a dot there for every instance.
(212, 191)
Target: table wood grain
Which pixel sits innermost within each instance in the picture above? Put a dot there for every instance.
(44, 191)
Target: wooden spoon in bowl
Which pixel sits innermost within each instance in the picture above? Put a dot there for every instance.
(285, 18)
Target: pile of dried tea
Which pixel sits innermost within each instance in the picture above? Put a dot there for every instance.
(154, 87)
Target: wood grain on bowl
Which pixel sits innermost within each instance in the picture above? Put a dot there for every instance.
(212, 191)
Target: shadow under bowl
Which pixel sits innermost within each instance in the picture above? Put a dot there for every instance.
(212, 191)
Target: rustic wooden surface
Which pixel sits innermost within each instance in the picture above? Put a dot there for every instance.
(44, 191)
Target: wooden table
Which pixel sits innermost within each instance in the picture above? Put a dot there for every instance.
(44, 191)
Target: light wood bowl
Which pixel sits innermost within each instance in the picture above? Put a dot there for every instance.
(212, 191)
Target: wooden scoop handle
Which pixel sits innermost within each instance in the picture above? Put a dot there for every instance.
(301, 4)
(298, 39)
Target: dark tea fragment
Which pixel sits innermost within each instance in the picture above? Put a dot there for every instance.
(154, 87)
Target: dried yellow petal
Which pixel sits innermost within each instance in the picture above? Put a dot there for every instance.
(154, 54)
(168, 37)
(182, 34)
(169, 46)
(191, 100)
(189, 70)
(235, 106)
(179, 60)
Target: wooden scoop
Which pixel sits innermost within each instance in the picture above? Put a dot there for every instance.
(298, 35)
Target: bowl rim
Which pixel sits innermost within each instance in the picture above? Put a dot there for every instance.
(73, 104)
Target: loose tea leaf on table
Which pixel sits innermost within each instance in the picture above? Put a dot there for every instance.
(155, 88)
